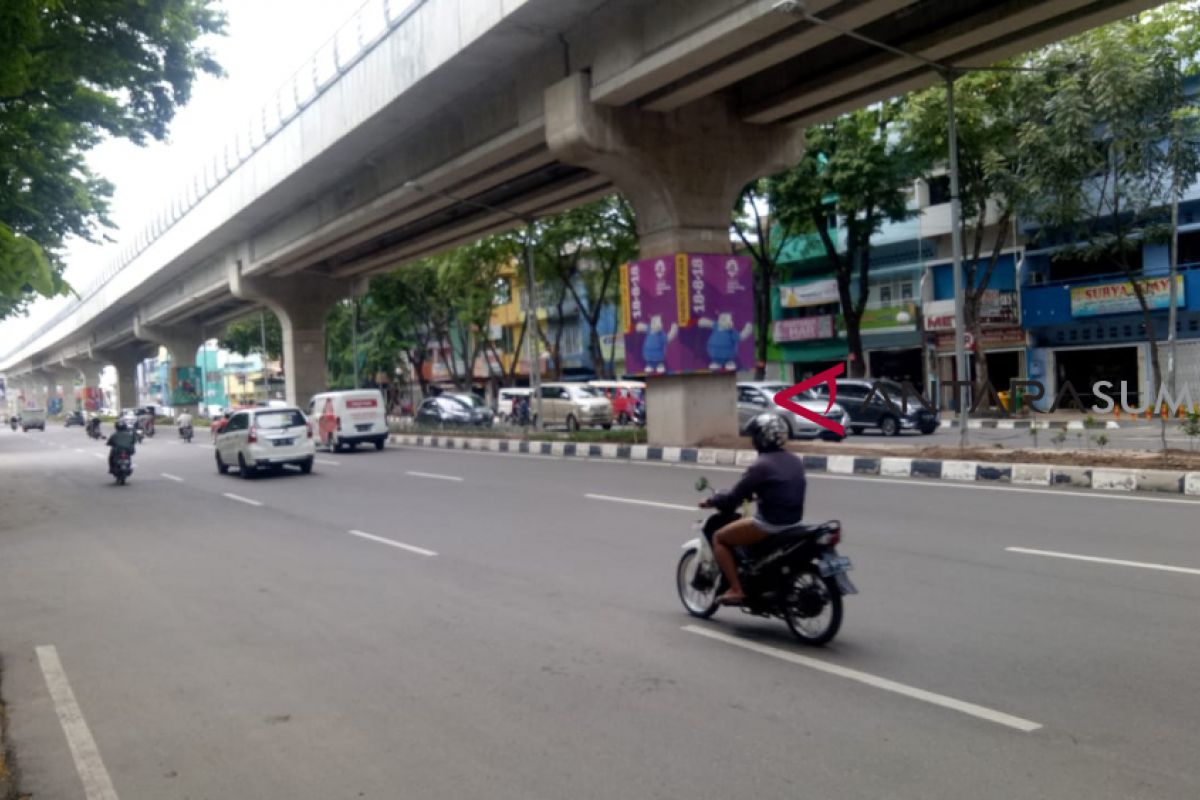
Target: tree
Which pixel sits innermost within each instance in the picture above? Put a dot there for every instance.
(764, 237)
(989, 111)
(469, 276)
(1113, 140)
(71, 73)
(859, 167)
(245, 336)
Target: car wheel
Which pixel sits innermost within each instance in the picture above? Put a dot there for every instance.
(572, 423)
(306, 466)
(379, 443)
(858, 429)
(222, 467)
(607, 427)
(889, 426)
(243, 469)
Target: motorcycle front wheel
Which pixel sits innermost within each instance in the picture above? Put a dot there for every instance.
(813, 608)
(700, 603)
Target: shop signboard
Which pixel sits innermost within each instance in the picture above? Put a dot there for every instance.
(1120, 297)
(811, 293)
(894, 319)
(688, 313)
(993, 338)
(186, 389)
(803, 329)
(997, 309)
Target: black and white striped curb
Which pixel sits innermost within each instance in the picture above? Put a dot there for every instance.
(1026, 424)
(1103, 478)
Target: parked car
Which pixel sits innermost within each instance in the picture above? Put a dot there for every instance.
(481, 414)
(853, 394)
(350, 418)
(504, 401)
(443, 411)
(33, 419)
(574, 405)
(262, 438)
(73, 418)
(756, 398)
(624, 396)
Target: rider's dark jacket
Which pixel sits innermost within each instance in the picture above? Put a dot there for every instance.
(776, 479)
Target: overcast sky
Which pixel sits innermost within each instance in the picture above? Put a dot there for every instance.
(267, 41)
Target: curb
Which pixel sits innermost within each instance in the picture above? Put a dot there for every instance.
(1024, 424)
(1151, 481)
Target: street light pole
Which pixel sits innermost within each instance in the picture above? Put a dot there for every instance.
(532, 306)
(960, 351)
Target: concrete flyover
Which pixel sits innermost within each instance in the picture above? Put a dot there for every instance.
(530, 105)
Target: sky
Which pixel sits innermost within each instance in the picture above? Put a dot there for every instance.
(265, 43)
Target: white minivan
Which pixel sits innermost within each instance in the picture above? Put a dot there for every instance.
(260, 438)
(350, 418)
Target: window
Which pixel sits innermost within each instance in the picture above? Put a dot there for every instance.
(885, 295)
(852, 391)
(747, 394)
(275, 420)
(550, 392)
(502, 292)
(939, 190)
(238, 422)
(906, 291)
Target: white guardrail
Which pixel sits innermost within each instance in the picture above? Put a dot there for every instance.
(370, 25)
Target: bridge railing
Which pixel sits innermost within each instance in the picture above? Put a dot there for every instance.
(371, 24)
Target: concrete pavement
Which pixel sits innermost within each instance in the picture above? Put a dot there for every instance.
(217, 647)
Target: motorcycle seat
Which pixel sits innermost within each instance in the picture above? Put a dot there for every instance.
(803, 531)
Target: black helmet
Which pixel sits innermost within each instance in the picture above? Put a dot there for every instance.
(121, 426)
(768, 433)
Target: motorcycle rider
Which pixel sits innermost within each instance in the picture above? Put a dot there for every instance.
(185, 423)
(776, 480)
(93, 426)
(122, 440)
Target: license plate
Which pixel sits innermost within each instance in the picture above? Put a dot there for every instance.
(366, 427)
(832, 565)
(282, 442)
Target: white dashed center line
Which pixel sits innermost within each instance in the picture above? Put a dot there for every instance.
(434, 476)
(171, 477)
(421, 551)
(241, 499)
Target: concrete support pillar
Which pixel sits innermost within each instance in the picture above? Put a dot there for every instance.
(125, 360)
(182, 342)
(301, 302)
(682, 172)
(65, 377)
(89, 371)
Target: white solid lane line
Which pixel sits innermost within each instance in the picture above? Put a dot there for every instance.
(635, 502)
(96, 783)
(241, 499)
(421, 551)
(434, 476)
(327, 462)
(1117, 562)
(171, 477)
(971, 709)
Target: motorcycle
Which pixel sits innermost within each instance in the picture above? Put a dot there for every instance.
(795, 575)
(93, 429)
(139, 434)
(14, 422)
(185, 433)
(122, 467)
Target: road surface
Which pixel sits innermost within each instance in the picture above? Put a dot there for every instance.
(427, 624)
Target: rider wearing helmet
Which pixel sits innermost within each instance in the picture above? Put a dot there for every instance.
(776, 480)
(122, 439)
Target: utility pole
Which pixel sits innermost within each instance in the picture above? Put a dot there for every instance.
(960, 351)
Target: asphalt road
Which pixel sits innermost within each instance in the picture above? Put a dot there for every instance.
(528, 643)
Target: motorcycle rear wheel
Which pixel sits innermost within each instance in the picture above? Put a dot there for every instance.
(702, 604)
(811, 625)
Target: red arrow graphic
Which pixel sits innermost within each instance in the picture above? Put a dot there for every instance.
(784, 399)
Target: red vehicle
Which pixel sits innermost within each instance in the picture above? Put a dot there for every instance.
(624, 396)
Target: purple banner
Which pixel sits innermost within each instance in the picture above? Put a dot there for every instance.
(690, 313)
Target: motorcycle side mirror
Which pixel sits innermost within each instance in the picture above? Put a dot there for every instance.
(702, 484)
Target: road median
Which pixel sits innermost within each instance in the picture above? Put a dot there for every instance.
(1113, 472)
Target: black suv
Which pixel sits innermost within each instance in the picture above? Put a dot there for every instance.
(891, 420)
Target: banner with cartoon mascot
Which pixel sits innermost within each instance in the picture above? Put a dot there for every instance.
(686, 314)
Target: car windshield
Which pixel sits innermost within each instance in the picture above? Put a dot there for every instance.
(584, 391)
(275, 420)
(454, 403)
(469, 399)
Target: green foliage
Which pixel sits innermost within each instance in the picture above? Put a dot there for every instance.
(246, 336)
(1191, 427)
(1059, 438)
(1102, 440)
(860, 167)
(70, 74)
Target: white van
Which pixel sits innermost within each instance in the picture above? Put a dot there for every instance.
(347, 419)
